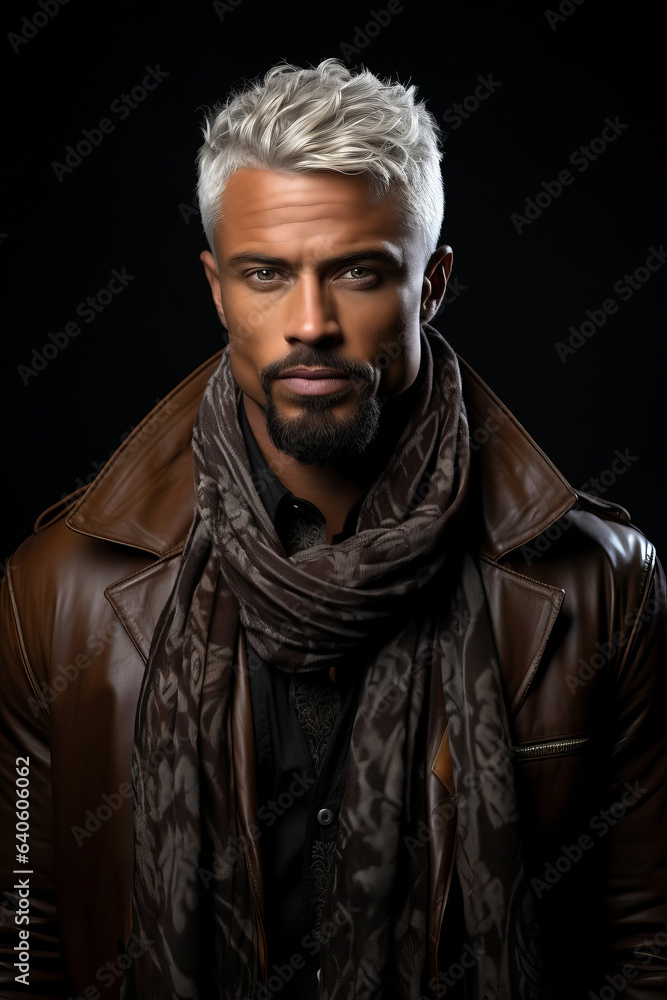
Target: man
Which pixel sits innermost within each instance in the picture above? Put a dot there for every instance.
(399, 689)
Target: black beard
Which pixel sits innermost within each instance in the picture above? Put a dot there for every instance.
(317, 436)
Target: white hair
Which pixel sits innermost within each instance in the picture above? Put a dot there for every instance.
(327, 118)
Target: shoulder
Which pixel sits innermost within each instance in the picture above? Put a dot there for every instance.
(55, 582)
(593, 552)
(55, 553)
(139, 506)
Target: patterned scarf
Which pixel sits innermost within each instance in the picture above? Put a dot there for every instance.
(389, 596)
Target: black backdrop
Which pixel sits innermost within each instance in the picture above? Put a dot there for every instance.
(547, 80)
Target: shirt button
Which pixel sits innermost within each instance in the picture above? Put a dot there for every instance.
(324, 817)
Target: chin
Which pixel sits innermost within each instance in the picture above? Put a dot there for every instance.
(317, 436)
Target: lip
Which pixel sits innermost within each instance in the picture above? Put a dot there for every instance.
(320, 385)
(315, 373)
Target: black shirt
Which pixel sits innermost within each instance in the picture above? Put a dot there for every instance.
(303, 723)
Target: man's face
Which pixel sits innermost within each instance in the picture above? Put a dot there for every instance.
(323, 291)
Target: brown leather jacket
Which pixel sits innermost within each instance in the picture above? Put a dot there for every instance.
(576, 598)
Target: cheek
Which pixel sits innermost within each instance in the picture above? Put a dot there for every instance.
(397, 350)
(244, 364)
(398, 361)
(250, 350)
(409, 338)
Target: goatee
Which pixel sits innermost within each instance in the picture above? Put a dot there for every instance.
(317, 435)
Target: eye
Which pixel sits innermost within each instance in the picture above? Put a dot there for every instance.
(264, 273)
(267, 276)
(362, 277)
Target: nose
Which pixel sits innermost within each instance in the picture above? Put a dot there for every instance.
(311, 315)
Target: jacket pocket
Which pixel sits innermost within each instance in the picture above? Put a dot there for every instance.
(558, 747)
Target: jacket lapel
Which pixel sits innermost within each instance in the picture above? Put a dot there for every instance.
(518, 490)
(138, 599)
(533, 607)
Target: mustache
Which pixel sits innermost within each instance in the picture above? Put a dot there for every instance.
(306, 357)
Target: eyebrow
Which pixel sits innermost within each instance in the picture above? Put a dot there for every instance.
(266, 260)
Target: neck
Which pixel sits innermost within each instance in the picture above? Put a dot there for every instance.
(335, 488)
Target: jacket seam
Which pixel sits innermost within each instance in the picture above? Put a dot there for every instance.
(645, 584)
(126, 617)
(65, 503)
(522, 576)
(556, 596)
(610, 511)
(174, 551)
(131, 620)
(111, 538)
(30, 674)
(511, 544)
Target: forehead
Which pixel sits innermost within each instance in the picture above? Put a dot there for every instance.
(286, 212)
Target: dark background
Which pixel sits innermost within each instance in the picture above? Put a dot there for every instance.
(128, 204)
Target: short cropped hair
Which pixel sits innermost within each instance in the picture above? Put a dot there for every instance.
(327, 118)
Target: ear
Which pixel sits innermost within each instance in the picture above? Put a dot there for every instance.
(211, 272)
(436, 275)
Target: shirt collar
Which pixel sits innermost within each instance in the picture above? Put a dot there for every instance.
(275, 496)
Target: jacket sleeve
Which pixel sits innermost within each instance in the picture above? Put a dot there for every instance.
(28, 915)
(636, 862)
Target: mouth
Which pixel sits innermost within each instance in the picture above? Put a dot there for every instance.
(314, 381)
